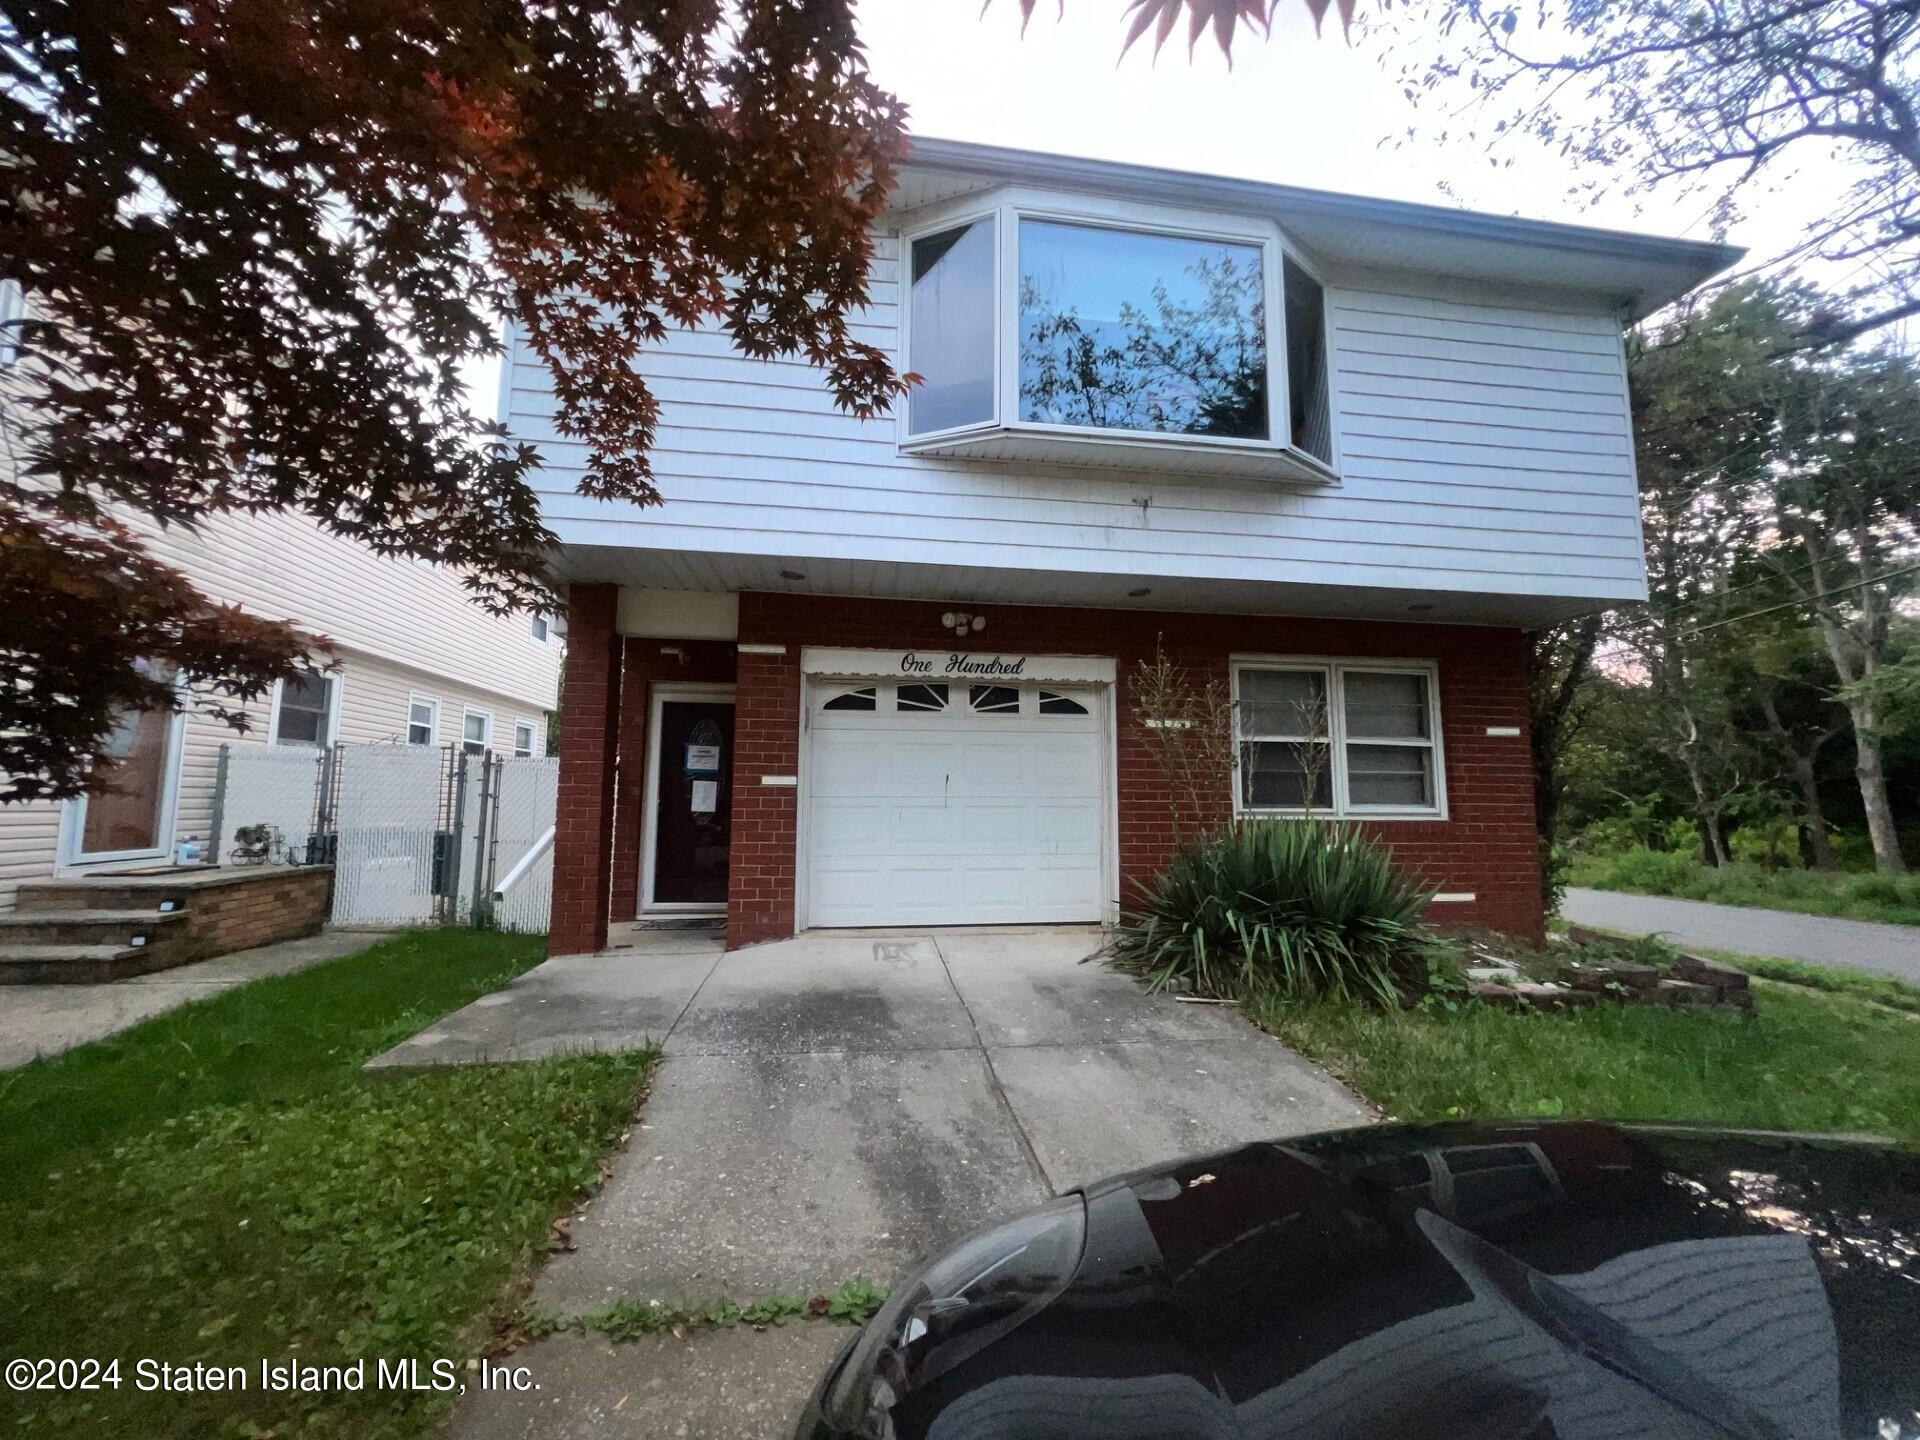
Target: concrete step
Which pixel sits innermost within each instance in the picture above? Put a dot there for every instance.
(88, 927)
(77, 964)
(159, 893)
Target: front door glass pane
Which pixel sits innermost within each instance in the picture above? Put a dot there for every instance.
(693, 792)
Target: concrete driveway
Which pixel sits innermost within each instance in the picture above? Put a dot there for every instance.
(831, 1108)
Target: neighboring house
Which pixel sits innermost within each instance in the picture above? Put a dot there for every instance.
(416, 662)
(1339, 454)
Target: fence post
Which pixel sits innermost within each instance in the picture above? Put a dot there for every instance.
(218, 837)
(449, 897)
(487, 787)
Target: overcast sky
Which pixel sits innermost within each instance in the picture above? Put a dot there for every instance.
(1296, 109)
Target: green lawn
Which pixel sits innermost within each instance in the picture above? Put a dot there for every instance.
(221, 1185)
(1806, 1061)
(1890, 899)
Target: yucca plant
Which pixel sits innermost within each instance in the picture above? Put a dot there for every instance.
(1301, 908)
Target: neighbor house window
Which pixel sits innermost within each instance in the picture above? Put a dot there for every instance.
(476, 731)
(1345, 739)
(304, 715)
(950, 329)
(423, 721)
(540, 628)
(1125, 330)
(522, 739)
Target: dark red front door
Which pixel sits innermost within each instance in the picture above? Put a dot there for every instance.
(693, 799)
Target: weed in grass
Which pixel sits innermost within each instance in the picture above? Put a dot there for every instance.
(851, 1303)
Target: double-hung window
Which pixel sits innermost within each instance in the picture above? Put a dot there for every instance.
(523, 739)
(476, 731)
(303, 710)
(1055, 328)
(1338, 738)
(423, 720)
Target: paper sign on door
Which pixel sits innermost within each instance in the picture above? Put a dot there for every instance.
(703, 759)
(706, 796)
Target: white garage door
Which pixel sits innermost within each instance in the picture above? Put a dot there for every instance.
(954, 803)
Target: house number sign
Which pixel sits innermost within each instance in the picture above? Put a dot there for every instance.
(955, 665)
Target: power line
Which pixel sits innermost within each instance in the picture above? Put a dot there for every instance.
(1796, 604)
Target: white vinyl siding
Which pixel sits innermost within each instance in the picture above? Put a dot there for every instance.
(1485, 447)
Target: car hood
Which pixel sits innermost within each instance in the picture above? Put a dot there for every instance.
(1530, 1280)
(1476, 1282)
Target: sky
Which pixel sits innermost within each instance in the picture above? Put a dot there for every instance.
(1296, 109)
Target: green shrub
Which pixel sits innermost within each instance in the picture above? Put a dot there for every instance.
(1655, 872)
(1298, 908)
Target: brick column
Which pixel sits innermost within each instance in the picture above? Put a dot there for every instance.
(589, 745)
(766, 741)
(630, 786)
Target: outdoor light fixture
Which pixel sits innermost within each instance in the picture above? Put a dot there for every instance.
(961, 623)
(791, 575)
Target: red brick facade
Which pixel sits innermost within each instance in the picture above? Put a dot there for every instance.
(1486, 846)
(589, 744)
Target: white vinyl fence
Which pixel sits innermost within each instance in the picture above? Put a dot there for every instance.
(416, 834)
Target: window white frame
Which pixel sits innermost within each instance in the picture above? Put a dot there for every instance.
(540, 629)
(468, 712)
(521, 722)
(1334, 671)
(331, 728)
(432, 702)
(1006, 209)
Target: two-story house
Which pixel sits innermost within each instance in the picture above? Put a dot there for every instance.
(1338, 454)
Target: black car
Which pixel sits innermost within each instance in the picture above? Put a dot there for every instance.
(1521, 1281)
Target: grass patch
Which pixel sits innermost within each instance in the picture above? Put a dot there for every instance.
(1805, 1061)
(221, 1185)
(1890, 899)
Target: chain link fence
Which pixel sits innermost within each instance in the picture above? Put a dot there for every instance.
(417, 835)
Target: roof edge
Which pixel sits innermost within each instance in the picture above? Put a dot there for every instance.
(1000, 162)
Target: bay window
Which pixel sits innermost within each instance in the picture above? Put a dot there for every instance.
(1338, 738)
(1115, 335)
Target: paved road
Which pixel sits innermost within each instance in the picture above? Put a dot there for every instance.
(830, 1107)
(1849, 944)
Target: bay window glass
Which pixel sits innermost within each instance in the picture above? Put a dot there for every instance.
(950, 329)
(1324, 736)
(1126, 330)
(1310, 410)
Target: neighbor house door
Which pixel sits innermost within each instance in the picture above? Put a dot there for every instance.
(689, 825)
(129, 814)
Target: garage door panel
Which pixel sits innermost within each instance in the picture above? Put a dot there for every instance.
(1067, 829)
(957, 818)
